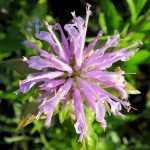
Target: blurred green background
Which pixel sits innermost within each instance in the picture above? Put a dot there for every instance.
(130, 17)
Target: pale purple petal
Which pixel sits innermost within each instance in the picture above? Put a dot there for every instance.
(75, 38)
(48, 118)
(110, 79)
(115, 107)
(80, 125)
(110, 43)
(104, 61)
(96, 89)
(100, 114)
(56, 62)
(51, 84)
(101, 74)
(38, 63)
(98, 105)
(42, 52)
(88, 98)
(77, 33)
(25, 87)
(48, 106)
(63, 38)
(60, 51)
(92, 45)
(124, 57)
(65, 101)
(101, 91)
(32, 79)
(45, 95)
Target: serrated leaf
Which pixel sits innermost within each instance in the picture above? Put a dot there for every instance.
(19, 66)
(131, 90)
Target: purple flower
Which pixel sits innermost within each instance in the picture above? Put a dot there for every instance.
(77, 73)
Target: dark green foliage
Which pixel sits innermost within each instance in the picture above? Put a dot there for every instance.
(17, 17)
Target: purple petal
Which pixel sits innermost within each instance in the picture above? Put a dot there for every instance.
(48, 106)
(110, 43)
(100, 114)
(123, 57)
(49, 117)
(60, 51)
(96, 89)
(38, 63)
(76, 40)
(104, 61)
(65, 101)
(92, 45)
(110, 79)
(51, 84)
(25, 87)
(32, 79)
(46, 94)
(95, 101)
(56, 62)
(101, 74)
(101, 91)
(80, 125)
(42, 52)
(88, 98)
(63, 38)
(115, 107)
(77, 33)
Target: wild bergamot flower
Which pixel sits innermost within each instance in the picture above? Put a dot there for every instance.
(78, 74)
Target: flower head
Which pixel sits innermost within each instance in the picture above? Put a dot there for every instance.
(76, 73)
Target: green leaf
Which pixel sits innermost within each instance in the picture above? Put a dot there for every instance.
(11, 43)
(113, 18)
(132, 10)
(139, 5)
(130, 89)
(63, 114)
(19, 66)
(138, 57)
(90, 139)
(145, 26)
(29, 114)
(135, 8)
(16, 138)
(102, 22)
(113, 91)
(40, 9)
(30, 110)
